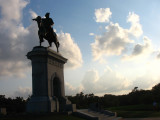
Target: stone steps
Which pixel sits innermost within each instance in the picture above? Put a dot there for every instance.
(97, 115)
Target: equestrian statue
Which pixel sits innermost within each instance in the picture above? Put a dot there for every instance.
(46, 31)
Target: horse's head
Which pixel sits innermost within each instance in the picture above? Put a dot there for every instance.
(38, 18)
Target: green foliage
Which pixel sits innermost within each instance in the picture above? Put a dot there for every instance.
(143, 98)
(137, 114)
(156, 92)
(135, 111)
(83, 101)
(141, 107)
(135, 97)
(55, 116)
(15, 105)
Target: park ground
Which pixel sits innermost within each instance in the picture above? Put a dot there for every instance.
(132, 112)
(136, 111)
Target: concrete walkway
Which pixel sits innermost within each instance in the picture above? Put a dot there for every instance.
(92, 115)
(141, 118)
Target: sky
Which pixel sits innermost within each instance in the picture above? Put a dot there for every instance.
(112, 46)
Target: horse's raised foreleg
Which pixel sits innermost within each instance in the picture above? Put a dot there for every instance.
(40, 39)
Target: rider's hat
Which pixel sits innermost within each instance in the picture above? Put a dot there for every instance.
(47, 14)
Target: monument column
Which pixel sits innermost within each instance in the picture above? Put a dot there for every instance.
(48, 94)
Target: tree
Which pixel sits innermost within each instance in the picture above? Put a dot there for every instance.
(156, 92)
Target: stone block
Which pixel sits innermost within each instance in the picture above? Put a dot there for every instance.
(70, 107)
(3, 111)
(48, 93)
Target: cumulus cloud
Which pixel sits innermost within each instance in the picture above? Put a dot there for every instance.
(109, 82)
(144, 82)
(158, 56)
(33, 14)
(70, 50)
(136, 28)
(91, 34)
(103, 14)
(112, 42)
(17, 40)
(13, 35)
(24, 92)
(89, 81)
(116, 39)
(113, 82)
(12, 9)
(141, 49)
(71, 90)
(15, 68)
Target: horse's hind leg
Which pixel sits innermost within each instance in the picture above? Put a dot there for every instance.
(40, 40)
(57, 45)
(57, 50)
(50, 44)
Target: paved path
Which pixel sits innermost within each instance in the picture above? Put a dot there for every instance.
(99, 115)
(141, 118)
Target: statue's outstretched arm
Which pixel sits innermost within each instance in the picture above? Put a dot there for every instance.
(34, 19)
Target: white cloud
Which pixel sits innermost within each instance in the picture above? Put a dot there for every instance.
(116, 39)
(24, 92)
(33, 14)
(112, 42)
(91, 34)
(149, 76)
(133, 18)
(158, 56)
(136, 28)
(103, 14)
(12, 9)
(140, 50)
(71, 90)
(109, 82)
(113, 82)
(145, 82)
(15, 68)
(89, 81)
(16, 40)
(70, 50)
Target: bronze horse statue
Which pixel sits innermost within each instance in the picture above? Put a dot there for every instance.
(50, 36)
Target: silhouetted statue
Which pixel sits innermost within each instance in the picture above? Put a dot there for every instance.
(46, 31)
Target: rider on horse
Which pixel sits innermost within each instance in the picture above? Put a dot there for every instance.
(48, 23)
(46, 30)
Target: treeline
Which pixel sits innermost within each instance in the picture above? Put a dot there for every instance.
(135, 97)
(13, 105)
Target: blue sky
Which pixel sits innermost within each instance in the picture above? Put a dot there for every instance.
(111, 45)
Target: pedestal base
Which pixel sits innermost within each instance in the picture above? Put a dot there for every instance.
(48, 94)
(42, 105)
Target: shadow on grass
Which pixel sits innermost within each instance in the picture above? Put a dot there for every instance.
(135, 111)
(55, 116)
(137, 114)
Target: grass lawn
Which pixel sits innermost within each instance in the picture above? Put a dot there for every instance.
(137, 114)
(41, 117)
(135, 111)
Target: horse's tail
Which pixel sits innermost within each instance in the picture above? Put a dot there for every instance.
(58, 44)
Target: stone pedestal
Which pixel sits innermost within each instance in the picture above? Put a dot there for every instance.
(48, 93)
